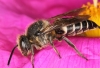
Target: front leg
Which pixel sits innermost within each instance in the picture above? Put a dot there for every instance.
(32, 56)
(73, 46)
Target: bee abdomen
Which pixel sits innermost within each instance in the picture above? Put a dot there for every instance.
(80, 27)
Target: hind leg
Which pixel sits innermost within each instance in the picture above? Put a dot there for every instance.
(73, 46)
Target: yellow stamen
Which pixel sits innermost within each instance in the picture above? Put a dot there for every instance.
(95, 2)
(94, 12)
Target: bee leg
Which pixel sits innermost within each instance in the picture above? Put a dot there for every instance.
(73, 46)
(50, 40)
(32, 56)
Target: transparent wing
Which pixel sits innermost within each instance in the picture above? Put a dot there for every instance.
(68, 14)
(66, 21)
(72, 20)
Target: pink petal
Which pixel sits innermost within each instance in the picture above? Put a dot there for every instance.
(47, 58)
(16, 15)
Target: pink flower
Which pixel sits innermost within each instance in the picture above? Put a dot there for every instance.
(16, 15)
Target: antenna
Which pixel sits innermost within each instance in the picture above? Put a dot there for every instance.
(11, 55)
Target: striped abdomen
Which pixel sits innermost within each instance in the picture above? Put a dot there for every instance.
(74, 29)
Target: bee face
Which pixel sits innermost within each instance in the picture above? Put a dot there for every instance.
(24, 45)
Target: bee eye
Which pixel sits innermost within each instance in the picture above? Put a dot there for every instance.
(23, 44)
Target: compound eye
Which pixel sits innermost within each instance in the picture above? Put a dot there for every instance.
(24, 48)
(23, 45)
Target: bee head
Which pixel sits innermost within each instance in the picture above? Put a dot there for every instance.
(24, 45)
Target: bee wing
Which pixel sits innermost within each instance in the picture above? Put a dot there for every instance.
(72, 20)
(67, 21)
(68, 14)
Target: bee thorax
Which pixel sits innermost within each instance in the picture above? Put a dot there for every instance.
(42, 40)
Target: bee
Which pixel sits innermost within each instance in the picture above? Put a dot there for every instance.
(41, 32)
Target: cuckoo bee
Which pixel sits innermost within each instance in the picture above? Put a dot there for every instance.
(42, 32)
